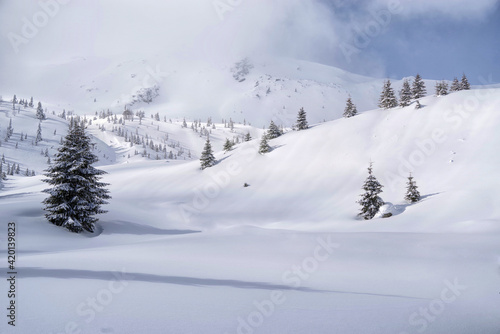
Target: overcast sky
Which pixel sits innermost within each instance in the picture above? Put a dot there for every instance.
(439, 39)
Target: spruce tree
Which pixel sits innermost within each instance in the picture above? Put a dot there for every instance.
(418, 88)
(455, 85)
(412, 194)
(405, 94)
(273, 131)
(387, 97)
(31, 104)
(248, 137)
(350, 109)
(301, 120)
(76, 195)
(264, 145)
(39, 112)
(38, 134)
(465, 83)
(228, 145)
(441, 88)
(207, 157)
(370, 201)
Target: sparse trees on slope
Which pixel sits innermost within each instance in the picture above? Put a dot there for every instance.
(370, 201)
(264, 145)
(412, 194)
(76, 195)
(273, 131)
(207, 158)
(405, 94)
(387, 97)
(302, 120)
(418, 88)
(465, 83)
(350, 108)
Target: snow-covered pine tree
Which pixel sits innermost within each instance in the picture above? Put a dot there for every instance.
(248, 137)
(302, 120)
(387, 97)
(405, 94)
(441, 88)
(350, 108)
(39, 112)
(264, 145)
(10, 131)
(76, 195)
(38, 134)
(273, 131)
(418, 88)
(455, 85)
(370, 201)
(207, 158)
(465, 85)
(228, 145)
(412, 194)
(31, 104)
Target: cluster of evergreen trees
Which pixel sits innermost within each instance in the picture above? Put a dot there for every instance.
(371, 201)
(407, 94)
(207, 158)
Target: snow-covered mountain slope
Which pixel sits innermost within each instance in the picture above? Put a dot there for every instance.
(272, 89)
(189, 251)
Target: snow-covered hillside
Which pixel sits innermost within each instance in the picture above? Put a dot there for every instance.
(189, 251)
(273, 88)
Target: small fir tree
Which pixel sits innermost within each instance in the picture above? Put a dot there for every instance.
(405, 94)
(38, 134)
(387, 97)
(273, 131)
(455, 85)
(302, 120)
(248, 137)
(441, 88)
(370, 201)
(412, 194)
(465, 83)
(228, 145)
(76, 195)
(207, 158)
(350, 108)
(418, 88)
(39, 112)
(264, 145)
